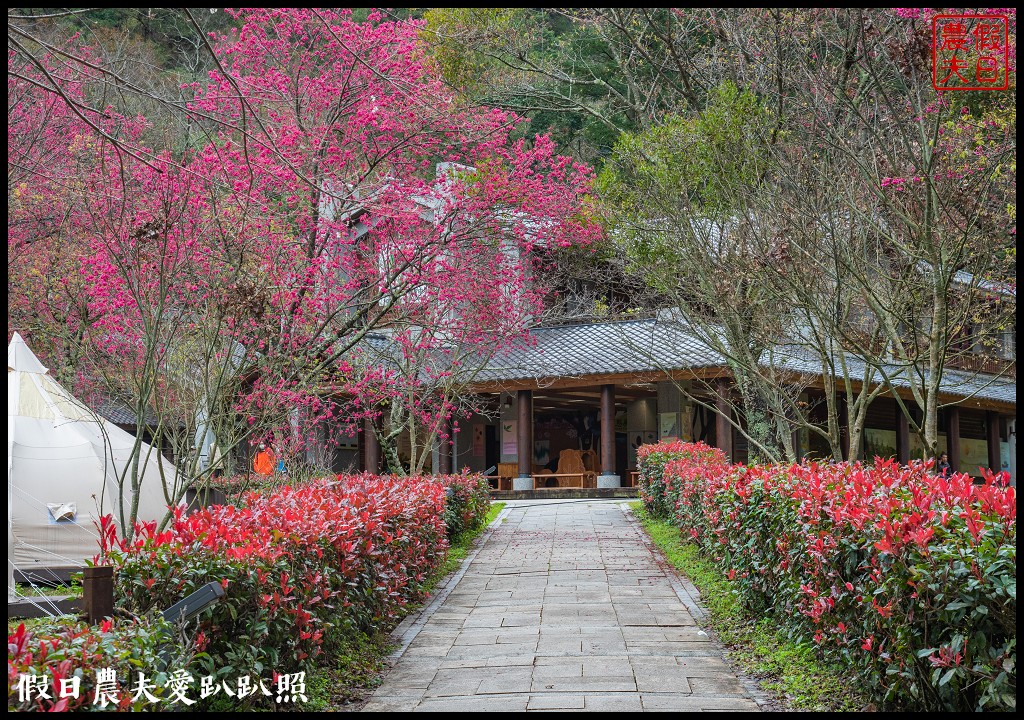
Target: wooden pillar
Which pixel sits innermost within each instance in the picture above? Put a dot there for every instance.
(444, 450)
(723, 428)
(995, 460)
(844, 426)
(372, 447)
(902, 437)
(607, 429)
(524, 441)
(953, 437)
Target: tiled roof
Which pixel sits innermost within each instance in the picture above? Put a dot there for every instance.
(600, 348)
(121, 414)
(651, 345)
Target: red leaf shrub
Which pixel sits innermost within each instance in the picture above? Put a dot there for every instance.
(908, 576)
(58, 653)
(658, 499)
(467, 500)
(303, 568)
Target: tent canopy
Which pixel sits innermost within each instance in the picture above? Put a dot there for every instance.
(67, 467)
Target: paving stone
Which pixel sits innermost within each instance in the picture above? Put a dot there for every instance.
(564, 608)
(668, 648)
(451, 688)
(508, 636)
(590, 683)
(613, 702)
(421, 651)
(558, 671)
(664, 681)
(675, 702)
(479, 703)
(716, 685)
(384, 704)
(556, 701)
(469, 652)
(511, 680)
(607, 666)
(411, 677)
(602, 647)
(560, 646)
(485, 636)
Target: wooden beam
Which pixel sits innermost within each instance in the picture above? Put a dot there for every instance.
(588, 394)
(44, 606)
(561, 407)
(594, 395)
(98, 593)
(572, 400)
(709, 373)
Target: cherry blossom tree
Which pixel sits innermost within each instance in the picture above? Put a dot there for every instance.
(230, 286)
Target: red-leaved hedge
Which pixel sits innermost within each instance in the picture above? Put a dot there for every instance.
(304, 568)
(467, 500)
(66, 656)
(907, 576)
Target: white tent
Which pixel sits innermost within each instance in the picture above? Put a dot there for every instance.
(63, 465)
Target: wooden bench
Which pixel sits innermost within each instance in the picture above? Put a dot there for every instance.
(506, 471)
(570, 465)
(509, 471)
(581, 477)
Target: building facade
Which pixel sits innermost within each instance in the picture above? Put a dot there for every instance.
(604, 389)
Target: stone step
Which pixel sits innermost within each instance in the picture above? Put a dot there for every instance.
(565, 494)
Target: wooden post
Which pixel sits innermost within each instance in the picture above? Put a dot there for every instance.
(902, 437)
(953, 437)
(98, 593)
(723, 428)
(995, 459)
(524, 439)
(844, 426)
(372, 447)
(444, 450)
(607, 429)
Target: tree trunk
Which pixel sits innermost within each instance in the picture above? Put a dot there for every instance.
(764, 445)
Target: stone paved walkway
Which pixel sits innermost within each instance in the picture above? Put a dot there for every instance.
(563, 608)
